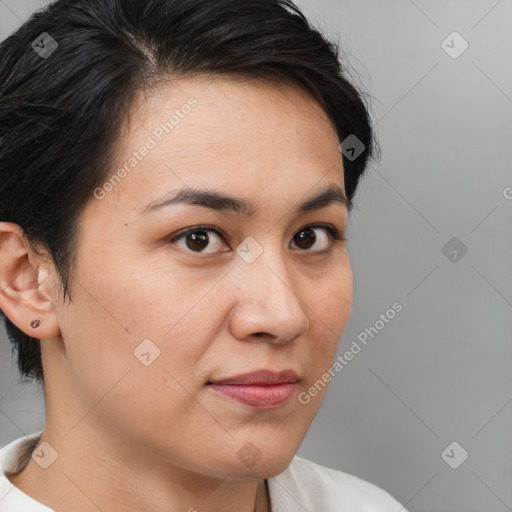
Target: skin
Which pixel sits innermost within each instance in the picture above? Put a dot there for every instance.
(155, 438)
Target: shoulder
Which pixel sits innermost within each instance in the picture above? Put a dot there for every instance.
(317, 487)
(13, 458)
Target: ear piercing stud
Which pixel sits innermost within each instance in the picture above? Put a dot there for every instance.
(34, 324)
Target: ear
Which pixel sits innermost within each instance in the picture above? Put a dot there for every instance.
(26, 292)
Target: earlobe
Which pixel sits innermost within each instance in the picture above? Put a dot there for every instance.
(25, 296)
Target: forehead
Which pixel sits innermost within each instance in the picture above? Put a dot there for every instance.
(228, 133)
(240, 114)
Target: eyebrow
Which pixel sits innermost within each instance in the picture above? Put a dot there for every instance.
(219, 201)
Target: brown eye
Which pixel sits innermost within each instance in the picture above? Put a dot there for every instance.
(306, 238)
(199, 238)
(321, 238)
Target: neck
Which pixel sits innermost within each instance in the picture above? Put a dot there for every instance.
(91, 474)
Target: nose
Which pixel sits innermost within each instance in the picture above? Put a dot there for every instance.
(268, 305)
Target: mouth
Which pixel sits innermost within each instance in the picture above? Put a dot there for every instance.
(263, 389)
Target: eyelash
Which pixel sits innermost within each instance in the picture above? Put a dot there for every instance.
(334, 234)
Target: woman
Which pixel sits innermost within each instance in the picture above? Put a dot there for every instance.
(173, 260)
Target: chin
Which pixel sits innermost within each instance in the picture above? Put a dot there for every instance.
(256, 463)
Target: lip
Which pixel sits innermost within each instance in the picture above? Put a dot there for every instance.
(262, 389)
(260, 378)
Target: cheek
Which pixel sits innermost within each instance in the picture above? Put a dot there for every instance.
(155, 299)
(330, 305)
(134, 392)
(329, 316)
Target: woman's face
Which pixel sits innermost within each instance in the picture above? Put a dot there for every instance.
(156, 317)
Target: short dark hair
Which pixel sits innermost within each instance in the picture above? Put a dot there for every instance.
(56, 108)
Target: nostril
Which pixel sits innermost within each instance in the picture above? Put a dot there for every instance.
(263, 335)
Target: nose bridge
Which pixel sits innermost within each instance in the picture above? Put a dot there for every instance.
(269, 300)
(264, 269)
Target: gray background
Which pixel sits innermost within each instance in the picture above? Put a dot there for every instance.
(439, 372)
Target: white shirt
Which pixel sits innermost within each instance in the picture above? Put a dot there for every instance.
(304, 486)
